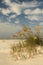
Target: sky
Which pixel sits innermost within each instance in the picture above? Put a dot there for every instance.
(15, 13)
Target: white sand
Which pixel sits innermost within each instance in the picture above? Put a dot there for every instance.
(5, 58)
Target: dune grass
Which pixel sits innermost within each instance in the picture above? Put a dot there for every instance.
(28, 47)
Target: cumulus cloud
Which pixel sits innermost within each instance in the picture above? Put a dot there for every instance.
(16, 8)
(13, 7)
(34, 17)
(17, 21)
(30, 4)
(5, 11)
(35, 11)
(35, 14)
(12, 16)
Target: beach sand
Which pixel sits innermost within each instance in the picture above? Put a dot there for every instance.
(6, 59)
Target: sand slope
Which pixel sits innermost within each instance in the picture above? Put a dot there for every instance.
(6, 60)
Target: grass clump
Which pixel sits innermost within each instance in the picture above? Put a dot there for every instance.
(28, 47)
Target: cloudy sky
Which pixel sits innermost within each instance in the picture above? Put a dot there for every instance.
(14, 13)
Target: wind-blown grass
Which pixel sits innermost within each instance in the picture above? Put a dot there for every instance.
(28, 47)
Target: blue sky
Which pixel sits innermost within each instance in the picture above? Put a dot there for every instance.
(14, 13)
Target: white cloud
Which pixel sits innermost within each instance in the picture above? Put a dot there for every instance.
(13, 7)
(27, 11)
(17, 22)
(16, 8)
(35, 11)
(24, 4)
(33, 17)
(5, 11)
(30, 4)
(7, 2)
(12, 16)
(34, 14)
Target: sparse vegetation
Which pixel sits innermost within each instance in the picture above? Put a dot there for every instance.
(28, 47)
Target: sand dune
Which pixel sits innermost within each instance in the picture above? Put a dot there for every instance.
(6, 44)
(6, 59)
